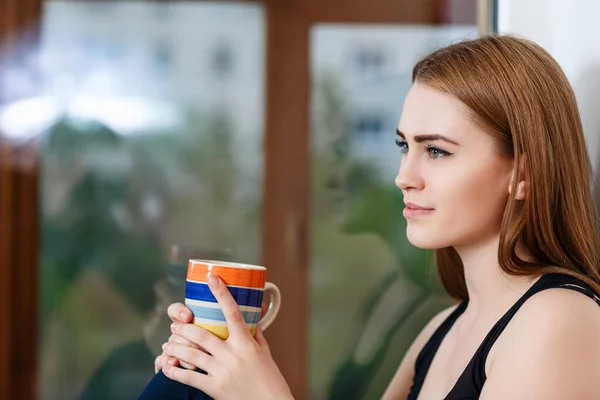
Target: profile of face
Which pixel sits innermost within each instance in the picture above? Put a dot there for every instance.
(454, 181)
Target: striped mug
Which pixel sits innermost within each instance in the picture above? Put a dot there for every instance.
(247, 285)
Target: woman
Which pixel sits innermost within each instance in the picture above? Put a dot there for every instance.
(495, 177)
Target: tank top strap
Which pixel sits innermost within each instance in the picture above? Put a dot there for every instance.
(425, 357)
(547, 281)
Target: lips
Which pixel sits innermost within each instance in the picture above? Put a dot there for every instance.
(413, 210)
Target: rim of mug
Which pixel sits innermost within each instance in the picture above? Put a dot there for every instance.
(229, 264)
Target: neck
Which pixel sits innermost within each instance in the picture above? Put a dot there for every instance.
(491, 290)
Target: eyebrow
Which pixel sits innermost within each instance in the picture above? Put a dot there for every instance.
(427, 138)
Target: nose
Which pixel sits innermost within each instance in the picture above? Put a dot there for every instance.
(409, 177)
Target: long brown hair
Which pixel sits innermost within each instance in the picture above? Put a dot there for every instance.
(519, 94)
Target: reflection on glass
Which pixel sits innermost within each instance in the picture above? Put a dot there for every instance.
(371, 291)
(151, 114)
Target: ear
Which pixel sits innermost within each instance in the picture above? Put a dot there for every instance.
(522, 189)
(522, 175)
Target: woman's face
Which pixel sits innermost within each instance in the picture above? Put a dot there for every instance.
(455, 184)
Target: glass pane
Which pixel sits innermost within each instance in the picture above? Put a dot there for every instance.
(152, 154)
(371, 291)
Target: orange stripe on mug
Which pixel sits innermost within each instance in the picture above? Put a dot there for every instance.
(250, 278)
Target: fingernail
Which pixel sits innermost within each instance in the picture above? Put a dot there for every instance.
(185, 316)
(171, 362)
(174, 326)
(213, 281)
(165, 346)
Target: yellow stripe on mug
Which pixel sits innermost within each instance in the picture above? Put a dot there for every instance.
(219, 329)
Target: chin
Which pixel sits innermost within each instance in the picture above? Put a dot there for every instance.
(425, 239)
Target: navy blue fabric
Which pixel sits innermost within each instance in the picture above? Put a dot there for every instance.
(161, 387)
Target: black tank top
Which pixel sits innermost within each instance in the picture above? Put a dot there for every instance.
(470, 383)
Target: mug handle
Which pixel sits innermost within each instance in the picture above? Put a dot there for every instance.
(274, 304)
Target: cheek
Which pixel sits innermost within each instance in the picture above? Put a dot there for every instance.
(468, 207)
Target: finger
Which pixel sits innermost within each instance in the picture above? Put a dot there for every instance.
(158, 364)
(191, 356)
(162, 361)
(181, 340)
(195, 379)
(199, 336)
(260, 339)
(178, 312)
(187, 366)
(233, 315)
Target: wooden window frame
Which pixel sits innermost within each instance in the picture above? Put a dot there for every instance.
(286, 194)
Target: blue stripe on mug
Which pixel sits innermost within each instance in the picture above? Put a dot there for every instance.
(251, 317)
(242, 296)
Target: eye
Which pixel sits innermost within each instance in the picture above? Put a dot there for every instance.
(403, 146)
(436, 152)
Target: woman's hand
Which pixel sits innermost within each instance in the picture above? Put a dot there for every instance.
(239, 367)
(179, 313)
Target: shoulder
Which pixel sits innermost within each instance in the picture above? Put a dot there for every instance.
(551, 349)
(559, 314)
(559, 322)
(400, 385)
